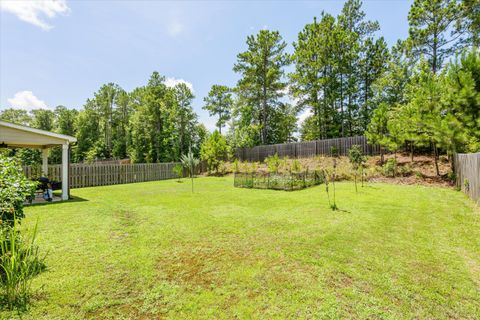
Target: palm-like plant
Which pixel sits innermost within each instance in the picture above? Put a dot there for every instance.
(190, 163)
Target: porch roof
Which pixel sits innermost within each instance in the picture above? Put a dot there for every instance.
(15, 136)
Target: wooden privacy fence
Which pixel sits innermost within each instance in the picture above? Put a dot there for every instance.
(328, 147)
(91, 175)
(467, 170)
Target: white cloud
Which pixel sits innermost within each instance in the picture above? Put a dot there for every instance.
(174, 28)
(304, 115)
(26, 100)
(172, 82)
(32, 11)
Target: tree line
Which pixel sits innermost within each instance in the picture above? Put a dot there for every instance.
(344, 76)
(153, 123)
(423, 92)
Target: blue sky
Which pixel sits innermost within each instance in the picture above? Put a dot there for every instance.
(61, 53)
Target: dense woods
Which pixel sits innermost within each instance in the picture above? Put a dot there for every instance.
(420, 94)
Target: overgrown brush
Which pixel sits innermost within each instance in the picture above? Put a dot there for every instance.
(273, 163)
(20, 261)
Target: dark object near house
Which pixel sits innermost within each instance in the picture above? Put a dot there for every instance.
(45, 186)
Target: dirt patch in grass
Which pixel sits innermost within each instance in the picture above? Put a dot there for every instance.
(126, 221)
(125, 218)
(197, 265)
(207, 266)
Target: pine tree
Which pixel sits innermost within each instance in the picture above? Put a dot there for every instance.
(219, 102)
(437, 30)
(261, 86)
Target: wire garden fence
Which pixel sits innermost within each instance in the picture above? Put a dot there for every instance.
(279, 181)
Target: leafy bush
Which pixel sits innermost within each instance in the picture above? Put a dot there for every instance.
(178, 171)
(214, 150)
(334, 151)
(419, 175)
(236, 166)
(222, 168)
(273, 163)
(296, 166)
(390, 168)
(452, 176)
(19, 257)
(20, 261)
(405, 170)
(14, 189)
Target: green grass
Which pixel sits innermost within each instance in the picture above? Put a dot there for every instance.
(155, 250)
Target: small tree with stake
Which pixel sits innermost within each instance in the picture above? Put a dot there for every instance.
(334, 175)
(331, 178)
(190, 163)
(357, 160)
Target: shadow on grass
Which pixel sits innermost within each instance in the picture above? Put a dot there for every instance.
(45, 203)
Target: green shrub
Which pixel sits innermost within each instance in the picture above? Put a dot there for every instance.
(406, 170)
(214, 150)
(237, 166)
(452, 176)
(178, 171)
(296, 166)
(273, 163)
(20, 261)
(390, 168)
(14, 189)
(222, 168)
(334, 151)
(284, 164)
(253, 167)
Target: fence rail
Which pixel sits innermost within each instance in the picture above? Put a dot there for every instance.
(467, 170)
(340, 146)
(92, 175)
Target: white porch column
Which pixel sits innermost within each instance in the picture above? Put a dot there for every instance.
(45, 162)
(65, 171)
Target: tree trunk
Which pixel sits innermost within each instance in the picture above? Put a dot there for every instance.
(435, 156)
(220, 122)
(355, 178)
(395, 164)
(361, 172)
(411, 150)
(342, 116)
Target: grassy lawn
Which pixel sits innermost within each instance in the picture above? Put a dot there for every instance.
(155, 250)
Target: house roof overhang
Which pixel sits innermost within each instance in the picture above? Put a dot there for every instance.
(15, 136)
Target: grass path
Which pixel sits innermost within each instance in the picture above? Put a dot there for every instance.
(154, 250)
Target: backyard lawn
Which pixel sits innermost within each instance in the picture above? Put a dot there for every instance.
(155, 250)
